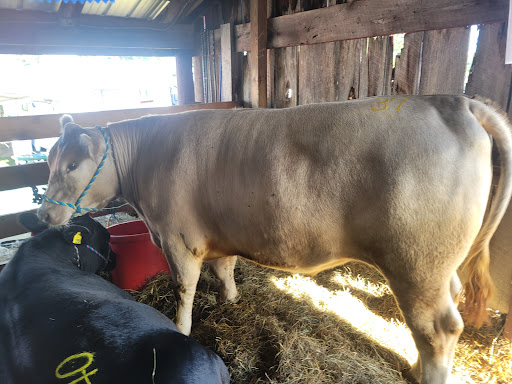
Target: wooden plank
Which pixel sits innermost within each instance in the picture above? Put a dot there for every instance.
(44, 126)
(407, 66)
(9, 225)
(489, 76)
(317, 73)
(270, 75)
(285, 84)
(185, 79)
(26, 175)
(42, 33)
(226, 93)
(330, 72)
(357, 19)
(247, 82)
(444, 60)
(198, 79)
(363, 69)
(380, 65)
(258, 56)
(348, 74)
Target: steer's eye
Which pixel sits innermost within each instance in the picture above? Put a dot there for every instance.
(71, 167)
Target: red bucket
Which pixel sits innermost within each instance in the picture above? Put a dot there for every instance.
(138, 259)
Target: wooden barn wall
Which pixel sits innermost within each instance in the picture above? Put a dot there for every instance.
(430, 62)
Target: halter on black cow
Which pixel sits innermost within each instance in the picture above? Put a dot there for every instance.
(61, 323)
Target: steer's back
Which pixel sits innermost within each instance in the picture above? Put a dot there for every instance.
(306, 188)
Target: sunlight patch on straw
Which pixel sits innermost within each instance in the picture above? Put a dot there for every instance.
(360, 283)
(393, 335)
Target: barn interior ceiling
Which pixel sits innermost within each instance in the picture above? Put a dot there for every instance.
(168, 11)
(122, 28)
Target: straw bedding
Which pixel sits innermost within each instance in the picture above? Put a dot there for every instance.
(273, 336)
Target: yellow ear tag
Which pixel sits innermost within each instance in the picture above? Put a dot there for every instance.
(77, 239)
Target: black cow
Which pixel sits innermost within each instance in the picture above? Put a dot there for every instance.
(61, 323)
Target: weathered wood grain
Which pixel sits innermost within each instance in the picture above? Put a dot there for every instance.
(489, 76)
(25, 175)
(380, 65)
(330, 72)
(407, 66)
(285, 92)
(258, 56)
(444, 60)
(226, 59)
(367, 18)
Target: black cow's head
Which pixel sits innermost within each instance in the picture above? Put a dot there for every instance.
(89, 238)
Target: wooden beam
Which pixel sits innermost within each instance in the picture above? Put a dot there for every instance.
(9, 225)
(44, 126)
(357, 19)
(26, 175)
(42, 33)
(258, 56)
(226, 93)
(185, 79)
(89, 51)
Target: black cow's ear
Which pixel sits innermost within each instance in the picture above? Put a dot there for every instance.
(30, 221)
(75, 234)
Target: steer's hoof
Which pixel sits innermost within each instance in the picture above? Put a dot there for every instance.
(412, 375)
(223, 298)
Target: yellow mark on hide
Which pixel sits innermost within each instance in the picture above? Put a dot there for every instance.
(399, 105)
(68, 367)
(385, 102)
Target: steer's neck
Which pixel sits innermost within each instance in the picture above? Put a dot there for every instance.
(125, 138)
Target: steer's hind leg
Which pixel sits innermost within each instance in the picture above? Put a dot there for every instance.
(185, 268)
(223, 268)
(435, 324)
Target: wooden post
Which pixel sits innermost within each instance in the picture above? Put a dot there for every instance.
(184, 77)
(226, 52)
(258, 55)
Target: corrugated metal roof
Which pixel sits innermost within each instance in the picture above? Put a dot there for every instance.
(140, 9)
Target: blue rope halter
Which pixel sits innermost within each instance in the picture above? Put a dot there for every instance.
(76, 206)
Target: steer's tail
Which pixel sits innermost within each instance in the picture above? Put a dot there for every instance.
(479, 285)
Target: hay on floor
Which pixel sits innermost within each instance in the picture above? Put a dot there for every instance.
(279, 333)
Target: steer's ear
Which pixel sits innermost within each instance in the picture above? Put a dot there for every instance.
(86, 144)
(65, 119)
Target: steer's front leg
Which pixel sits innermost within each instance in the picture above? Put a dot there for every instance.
(185, 268)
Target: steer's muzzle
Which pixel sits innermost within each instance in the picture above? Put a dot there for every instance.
(54, 214)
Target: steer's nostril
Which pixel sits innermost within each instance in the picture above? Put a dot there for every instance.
(46, 218)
